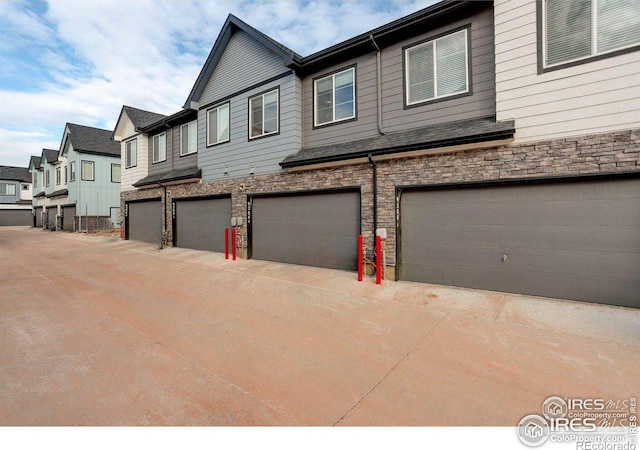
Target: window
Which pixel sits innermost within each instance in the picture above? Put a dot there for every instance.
(24, 187)
(218, 125)
(189, 138)
(65, 175)
(72, 171)
(263, 114)
(334, 97)
(115, 173)
(437, 68)
(159, 147)
(87, 171)
(58, 176)
(46, 178)
(575, 30)
(131, 153)
(7, 189)
(34, 178)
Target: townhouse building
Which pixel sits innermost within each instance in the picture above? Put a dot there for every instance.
(78, 185)
(496, 143)
(15, 196)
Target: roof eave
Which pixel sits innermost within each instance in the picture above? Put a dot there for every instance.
(503, 135)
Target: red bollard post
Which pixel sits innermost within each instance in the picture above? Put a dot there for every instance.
(359, 257)
(378, 260)
(226, 243)
(233, 243)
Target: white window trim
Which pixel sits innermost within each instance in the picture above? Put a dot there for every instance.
(194, 123)
(93, 170)
(263, 95)
(153, 147)
(120, 167)
(58, 176)
(594, 39)
(126, 149)
(315, 97)
(435, 68)
(72, 171)
(217, 108)
(47, 178)
(6, 189)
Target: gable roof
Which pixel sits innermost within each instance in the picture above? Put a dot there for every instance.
(141, 118)
(231, 25)
(92, 140)
(15, 173)
(48, 155)
(34, 162)
(181, 117)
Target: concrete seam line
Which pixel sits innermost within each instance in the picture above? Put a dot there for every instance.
(495, 318)
(373, 388)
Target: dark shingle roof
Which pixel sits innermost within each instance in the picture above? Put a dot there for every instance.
(92, 140)
(141, 118)
(172, 175)
(39, 194)
(15, 173)
(51, 156)
(58, 193)
(35, 162)
(434, 136)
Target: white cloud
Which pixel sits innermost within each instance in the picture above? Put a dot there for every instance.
(98, 56)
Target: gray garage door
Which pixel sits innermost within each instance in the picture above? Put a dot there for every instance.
(572, 240)
(316, 230)
(51, 217)
(200, 224)
(144, 221)
(15, 217)
(38, 213)
(68, 217)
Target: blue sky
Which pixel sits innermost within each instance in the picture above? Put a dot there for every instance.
(79, 61)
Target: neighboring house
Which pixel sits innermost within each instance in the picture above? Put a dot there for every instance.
(77, 187)
(498, 148)
(15, 196)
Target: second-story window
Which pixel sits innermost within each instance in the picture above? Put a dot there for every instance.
(58, 176)
(131, 153)
(263, 114)
(189, 138)
(7, 189)
(334, 97)
(218, 125)
(115, 173)
(47, 179)
(160, 147)
(35, 179)
(72, 171)
(437, 68)
(66, 180)
(88, 172)
(575, 30)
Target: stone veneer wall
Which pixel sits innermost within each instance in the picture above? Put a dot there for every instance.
(589, 154)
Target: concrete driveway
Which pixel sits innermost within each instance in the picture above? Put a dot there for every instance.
(100, 331)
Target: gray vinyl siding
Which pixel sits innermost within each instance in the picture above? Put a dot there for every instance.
(395, 116)
(244, 63)
(10, 198)
(263, 154)
(174, 160)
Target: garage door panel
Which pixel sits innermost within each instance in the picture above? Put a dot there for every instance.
(145, 221)
(38, 213)
(51, 217)
(317, 230)
(200, 224)
(15, 217)
(68, 213)
(555, 237)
